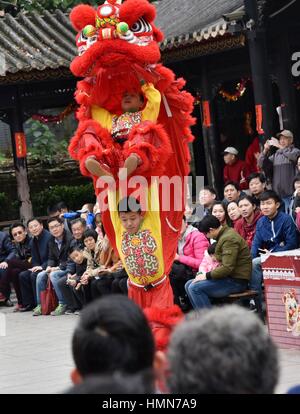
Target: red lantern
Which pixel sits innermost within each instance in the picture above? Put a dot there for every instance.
(20, 142)
(206, 114)
(259, 119)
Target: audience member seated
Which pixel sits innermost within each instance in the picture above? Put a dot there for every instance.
(233, 273)
(295, 202)
(219, 210)
(225, 350)
(235, 170)
(233, 211)
(99, 226)
(232, 192)
(246, 225)
(209, 261)
(7, 252)
(257, 185)
(94, 252)
(189, 215)
(108, 266)
(275, 232)
(191, 247)
(61, 210)
(22, 262)
(78, 227)
(58, 265)
(71, 285)
(39, 252)
(207, 197)
(284, 164)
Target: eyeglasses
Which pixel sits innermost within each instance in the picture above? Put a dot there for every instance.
(55, 226)
(17, 233)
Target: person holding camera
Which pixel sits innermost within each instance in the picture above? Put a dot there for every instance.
(284, 164)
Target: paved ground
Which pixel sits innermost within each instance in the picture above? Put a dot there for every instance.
(35, 355)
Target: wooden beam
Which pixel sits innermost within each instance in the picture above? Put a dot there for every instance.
(261, 79)
(212, 152)
(20, 163)
(286, 87)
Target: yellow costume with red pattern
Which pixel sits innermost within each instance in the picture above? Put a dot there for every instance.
(118, 45)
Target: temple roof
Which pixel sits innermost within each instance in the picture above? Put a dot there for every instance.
(34, 42)
(186, 22)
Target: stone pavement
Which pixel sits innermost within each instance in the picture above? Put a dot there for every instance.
(35, 355)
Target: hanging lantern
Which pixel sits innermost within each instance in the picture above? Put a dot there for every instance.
(206, 114)
(20, 142)
(259, 119)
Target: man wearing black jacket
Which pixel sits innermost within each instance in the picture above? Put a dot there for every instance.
(39, 252)
(21, 262)
(58, 265)
(7, 252)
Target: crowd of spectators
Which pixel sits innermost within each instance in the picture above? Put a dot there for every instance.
(219, 252)
(261, 205)
(75, 255)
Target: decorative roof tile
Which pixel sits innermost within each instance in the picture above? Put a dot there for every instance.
(35, 42)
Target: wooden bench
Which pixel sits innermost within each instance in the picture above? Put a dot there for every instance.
(248, 294)
(239, 297)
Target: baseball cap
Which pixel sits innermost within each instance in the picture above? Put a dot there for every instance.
(287, 133)
(230, 150)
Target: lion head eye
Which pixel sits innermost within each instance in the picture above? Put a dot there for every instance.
(141, 26)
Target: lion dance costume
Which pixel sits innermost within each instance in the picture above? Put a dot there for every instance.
(117, 46)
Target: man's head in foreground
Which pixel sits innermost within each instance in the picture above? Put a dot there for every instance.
(225, 350)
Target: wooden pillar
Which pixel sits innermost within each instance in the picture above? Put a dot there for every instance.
(212, 152)
(20, 163)
(285, 84)
(262, 87)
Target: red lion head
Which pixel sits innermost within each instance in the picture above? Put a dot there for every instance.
(117, 44)
(113, 34)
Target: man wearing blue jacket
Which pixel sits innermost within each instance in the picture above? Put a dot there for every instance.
(39, 254)
(275, 232)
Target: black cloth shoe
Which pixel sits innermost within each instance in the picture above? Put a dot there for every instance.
(26, 308)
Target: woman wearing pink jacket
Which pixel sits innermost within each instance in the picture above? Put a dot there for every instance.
(190, 252)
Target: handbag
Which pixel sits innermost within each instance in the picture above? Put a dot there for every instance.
(49, 300)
